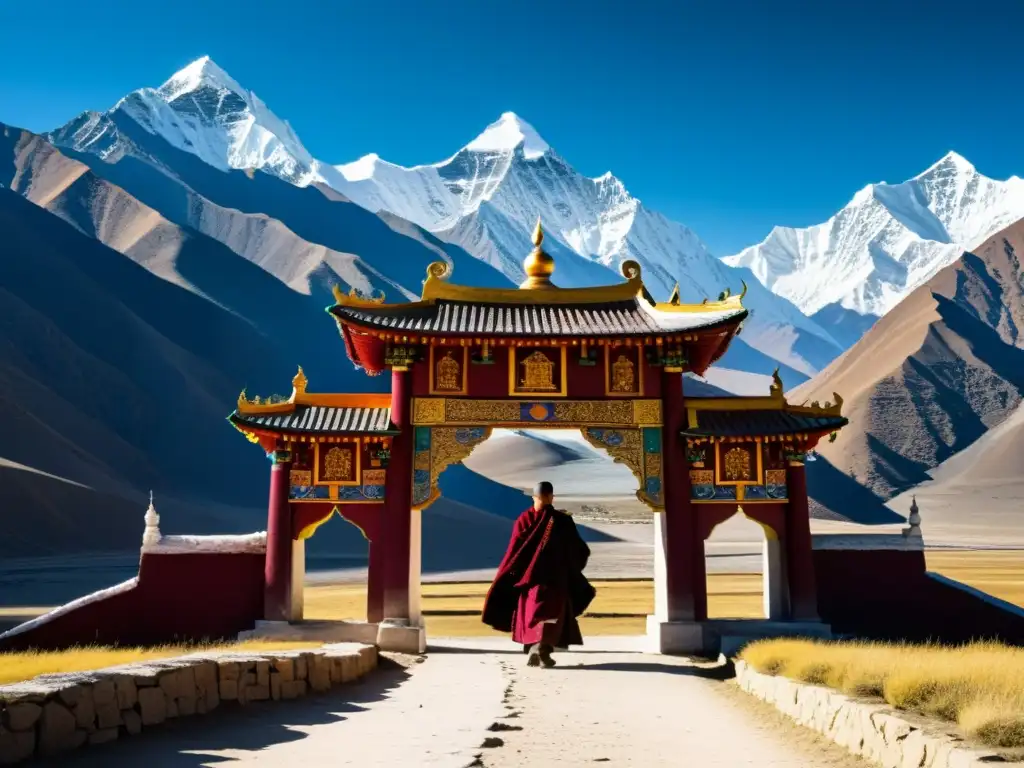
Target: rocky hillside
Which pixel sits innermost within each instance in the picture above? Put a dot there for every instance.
(933, 376)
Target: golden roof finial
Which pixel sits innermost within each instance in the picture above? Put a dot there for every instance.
(299, 383)
(776, 388)
(538, 265)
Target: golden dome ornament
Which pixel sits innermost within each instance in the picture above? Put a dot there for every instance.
(538, 265)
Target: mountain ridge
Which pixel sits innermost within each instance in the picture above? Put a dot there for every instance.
(935, 375)
(483, 200)
(884, 243)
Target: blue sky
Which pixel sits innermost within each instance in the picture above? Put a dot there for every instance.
(728, 116)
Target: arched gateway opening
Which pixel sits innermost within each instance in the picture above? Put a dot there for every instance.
(746, 576)
(608, 361)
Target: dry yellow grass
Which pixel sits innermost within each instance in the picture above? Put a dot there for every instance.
(24, 665)
(978, 686)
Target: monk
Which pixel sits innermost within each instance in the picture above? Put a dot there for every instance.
(540, 590)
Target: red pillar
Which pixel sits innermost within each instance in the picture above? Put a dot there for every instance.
(375, 581)
(803, 594)
(396, 519)
(684, 558)
(277, 573)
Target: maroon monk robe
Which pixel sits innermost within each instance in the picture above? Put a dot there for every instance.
(540, 590)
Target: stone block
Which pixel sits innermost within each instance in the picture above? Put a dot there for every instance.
(206, 677)
(257, 692)
(337, 668)
(132, 722)
(57, 731)
(21, 717)
(152, 706)
(355, 667)
(127, 693)
(70, 694)
(186, 705)
(913, 750)
(16, 746)
(275, 685)
(211, 699)
(170, 683)
(85, 710)
(262, 672)
(172, 707)
(227, 670)
(320, 673)
(229, 690)
(187, 680)
(285, 668)
(293, 689)
(108, 715)
(201, 708)
(147, 676)
(247, 679)
(104, 691)
(301, 665)
(103, 735)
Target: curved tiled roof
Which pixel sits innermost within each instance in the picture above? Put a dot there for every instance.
(632, 317)
(761, 422)
(320, 420)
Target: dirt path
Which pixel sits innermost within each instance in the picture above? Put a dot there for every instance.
(474, 703)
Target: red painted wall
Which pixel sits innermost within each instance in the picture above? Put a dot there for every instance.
(179, 598)
(888, 595)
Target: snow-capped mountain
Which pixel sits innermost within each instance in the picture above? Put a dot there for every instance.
(484, 199)
(487, 196)
(203, 110)
(887, 241)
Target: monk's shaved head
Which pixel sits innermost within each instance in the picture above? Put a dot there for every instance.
(543, 494)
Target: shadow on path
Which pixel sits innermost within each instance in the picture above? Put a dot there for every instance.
(193, 741)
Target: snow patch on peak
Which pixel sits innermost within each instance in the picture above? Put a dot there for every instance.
(949, 161)
(863, 195)
(202, 71)
(508, 133)
(361, 169)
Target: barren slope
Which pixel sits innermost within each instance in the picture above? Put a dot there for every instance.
(932, 376)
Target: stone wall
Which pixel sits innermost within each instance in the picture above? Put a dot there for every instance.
(56, 713)
(874, 731)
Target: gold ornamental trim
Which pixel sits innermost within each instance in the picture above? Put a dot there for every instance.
(457, 411)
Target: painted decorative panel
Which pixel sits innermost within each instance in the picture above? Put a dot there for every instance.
(336, 464)
(775, 483)
(448, 370)
(623, 371)
(738, 463)
(577, 413)
(436, 449)
(536, 371)
(640, 450)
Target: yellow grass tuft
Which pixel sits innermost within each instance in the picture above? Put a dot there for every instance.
(979, 686)
(17, 666)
